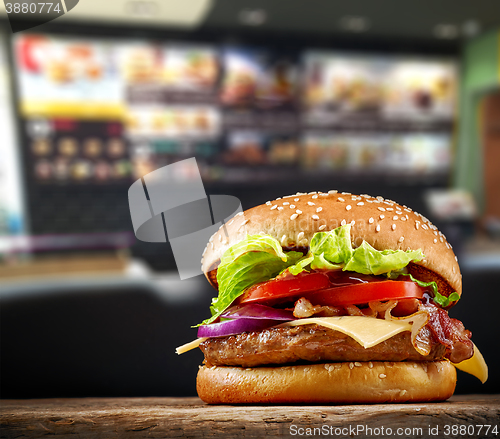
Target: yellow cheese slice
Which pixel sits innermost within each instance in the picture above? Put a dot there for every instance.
(355, 327)
(475, 366)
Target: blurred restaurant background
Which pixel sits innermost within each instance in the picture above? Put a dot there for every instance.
(271, 97)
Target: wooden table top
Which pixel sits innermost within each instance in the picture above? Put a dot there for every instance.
(190, 417)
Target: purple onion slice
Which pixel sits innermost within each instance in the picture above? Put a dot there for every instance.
(236, 326)
(255, 311)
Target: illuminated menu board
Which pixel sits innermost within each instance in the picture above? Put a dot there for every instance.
(101, 111)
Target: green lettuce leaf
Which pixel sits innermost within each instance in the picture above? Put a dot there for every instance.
(436, 296)
(255, 259)
(327, 251)
(366, 260)
(333, 250)
(334, 245)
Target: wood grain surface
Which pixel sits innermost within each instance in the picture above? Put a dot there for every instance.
(190, 417)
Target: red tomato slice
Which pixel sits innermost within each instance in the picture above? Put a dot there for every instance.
(366, 292)
(288, 286)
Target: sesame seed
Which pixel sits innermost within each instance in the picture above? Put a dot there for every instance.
(340, 199)
(298, 211)
(314, 196)
(286, 203)
(403, 218)
(268, 203)
(311, 193)
(283, 238)
(370, 365)
(435, 240)
(441, 239)
(346, 193)
(435, 233)
(322, 227)
(274, 207)
(378, 228)
(348, 207)
(319, 209)
(389, 208)
(393, 227)
(310, 203)
(343, 222)
(296, 199)
(279, 198)
(220, 238)
(292, 206)
(353, 222)
(424, 226)
(294, 216)
(382, 216)
(300, 236)
(382, 375)
(357, 364)
(351, 365)
(239, 213)
(402, 393)
(395, 217)
(230, 222)
(407, 210)
(381, 209)
(332, 192)
(456, 259)
(371, 220)
(244, 222)
(316, 217)
(401, 239)
(360, 203)
(280, 208)
(323, 195)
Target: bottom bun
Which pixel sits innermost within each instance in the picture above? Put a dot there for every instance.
(366, 382)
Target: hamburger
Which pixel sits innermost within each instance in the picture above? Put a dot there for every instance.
(332, 298)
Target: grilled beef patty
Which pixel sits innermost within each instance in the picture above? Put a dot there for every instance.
(312, 343)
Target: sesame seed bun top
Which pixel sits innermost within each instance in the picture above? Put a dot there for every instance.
(383, 224)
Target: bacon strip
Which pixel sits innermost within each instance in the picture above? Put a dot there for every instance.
(450, 332)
